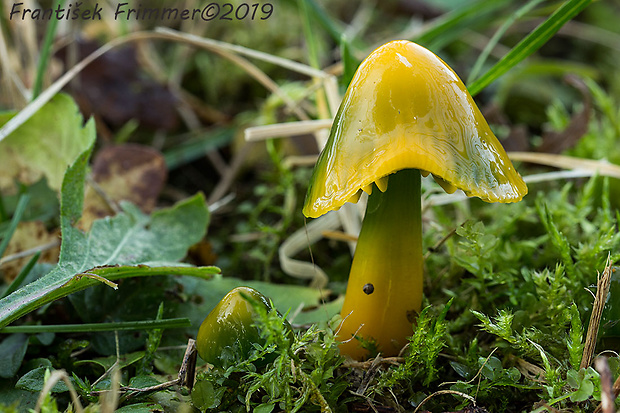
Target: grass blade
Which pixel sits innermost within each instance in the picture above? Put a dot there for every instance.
(451, 25)
(330, 25)
(17, 282)
(310, 39)
(349, 61)
(94, 327)
(46, 51)
(17, 216)
(497, 36)
(3, 214)
(531, 43)
(196, 147)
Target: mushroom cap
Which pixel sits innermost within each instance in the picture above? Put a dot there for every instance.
(405, 108)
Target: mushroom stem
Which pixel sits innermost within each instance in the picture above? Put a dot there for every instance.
(389, 257)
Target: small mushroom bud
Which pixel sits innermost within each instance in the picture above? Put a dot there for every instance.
(229, 332)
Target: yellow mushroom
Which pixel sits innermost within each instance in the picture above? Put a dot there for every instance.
(405, 111)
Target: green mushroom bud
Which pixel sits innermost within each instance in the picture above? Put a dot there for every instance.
(230, 331)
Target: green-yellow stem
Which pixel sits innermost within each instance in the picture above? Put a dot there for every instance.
(384, 292)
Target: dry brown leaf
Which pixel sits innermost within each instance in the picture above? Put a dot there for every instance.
(116, 89)
(29, 234)
(128, 172)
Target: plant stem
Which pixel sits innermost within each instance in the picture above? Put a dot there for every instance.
(92, 327)
(388, 256)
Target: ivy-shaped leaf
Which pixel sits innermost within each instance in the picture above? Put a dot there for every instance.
(127, 245)
(45, 144)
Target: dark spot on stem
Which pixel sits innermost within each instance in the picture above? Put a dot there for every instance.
(368, 288)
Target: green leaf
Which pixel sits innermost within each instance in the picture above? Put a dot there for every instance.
(264, 408)
(72, 191)
(581, 381)
(34, 381)
(461, 369)
(45, 145)
(14, 400)
(106, 363)
(573, 379)
(142, 382)
(205, 396)
(324, 312)
(532, 42)
(13, 349)
(128, 239)
(491, 367)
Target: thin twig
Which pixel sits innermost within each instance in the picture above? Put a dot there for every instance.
(567, 162)
(285, 130)
(477, 374)
(439, 243)
(164, 34)
(616, 391)
(54, 378)
(110, 203)
(299, 160)
(227, 180)
(187, 372)
(338, 236)
(117, 362)
(185, 378)
(140, 390)
(370, 374)
(29, 252)
(602, 289)
(27, 112)
(607, 394)
(531, 371)
(219, 45)
(369, 363)
(216, 206)
(440, 392)
(368, 400)
(10, 79)
(105, 374)
(265, 80)
(109, 399)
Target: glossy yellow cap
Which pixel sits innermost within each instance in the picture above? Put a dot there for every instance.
(405, 108)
